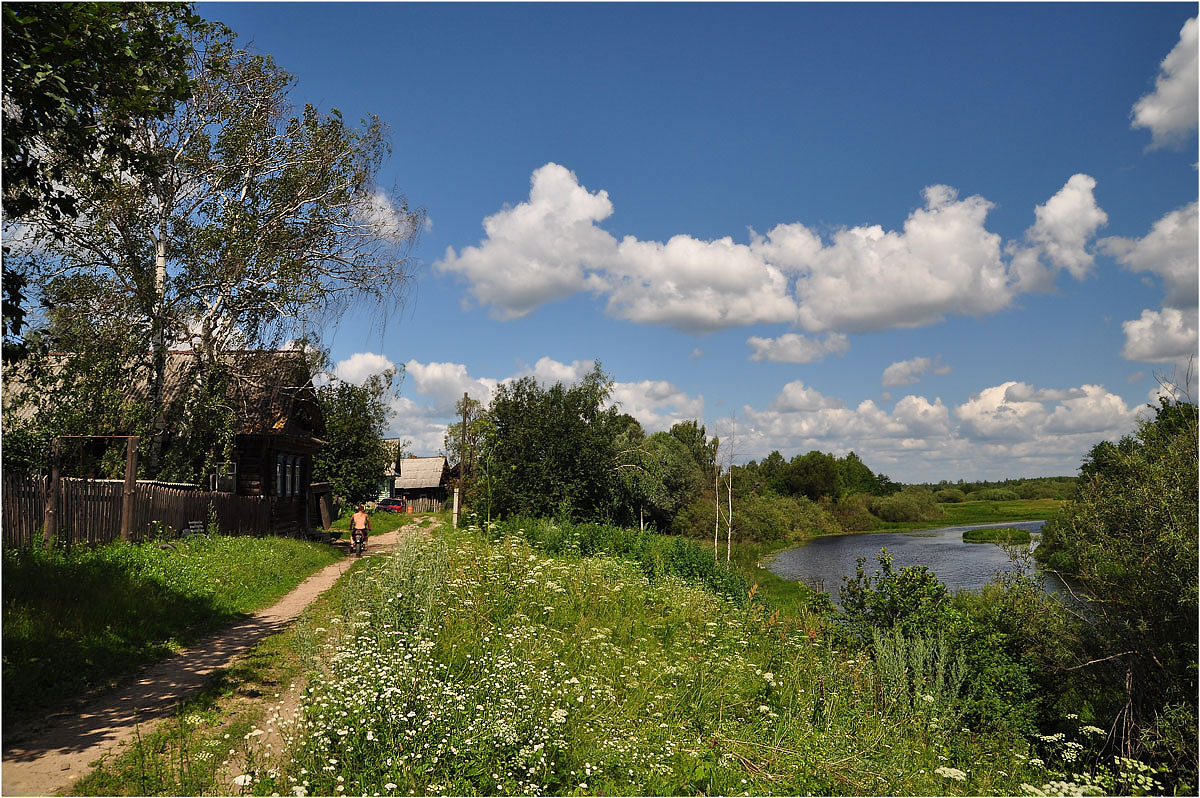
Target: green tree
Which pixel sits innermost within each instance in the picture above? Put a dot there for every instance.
(854, 476)
(694, 437)
(1129, 542)
(75, 76)
(552, 449)
(452, 442)
(812, 475)
(355, 422)
(246, 224)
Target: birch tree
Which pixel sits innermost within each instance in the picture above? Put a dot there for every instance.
(255, 225)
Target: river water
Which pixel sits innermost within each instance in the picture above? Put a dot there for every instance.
(822, 562)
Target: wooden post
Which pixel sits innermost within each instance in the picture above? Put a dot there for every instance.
(53, 485)
(462, 461)
(128, 499)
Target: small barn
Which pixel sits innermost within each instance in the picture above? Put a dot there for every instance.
(422, 483)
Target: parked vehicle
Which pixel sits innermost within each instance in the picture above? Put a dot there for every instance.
(391, 505)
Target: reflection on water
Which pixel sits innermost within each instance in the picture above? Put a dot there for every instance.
(823, 562)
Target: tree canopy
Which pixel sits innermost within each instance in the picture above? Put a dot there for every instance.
(356, 457)
(238, 225)
(1129, 542)
(75, 78)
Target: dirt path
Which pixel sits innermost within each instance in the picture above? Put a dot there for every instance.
(46, 757)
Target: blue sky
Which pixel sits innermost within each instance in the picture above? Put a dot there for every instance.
(959, 240)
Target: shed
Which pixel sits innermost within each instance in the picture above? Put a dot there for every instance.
(422, 482)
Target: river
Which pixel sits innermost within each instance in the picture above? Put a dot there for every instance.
(822, 562)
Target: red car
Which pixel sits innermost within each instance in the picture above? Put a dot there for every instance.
(391, 505)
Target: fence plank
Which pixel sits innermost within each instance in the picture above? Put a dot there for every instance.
(90, 510)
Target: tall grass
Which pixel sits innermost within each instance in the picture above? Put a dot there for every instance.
(470, 664)
(76, 619)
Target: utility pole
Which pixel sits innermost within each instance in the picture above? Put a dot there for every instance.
(462, 459)
(53, 487)
(128, 499)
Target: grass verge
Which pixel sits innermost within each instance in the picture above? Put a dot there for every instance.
(980, 512)
(81, 619)
(497, 668)
(997, 535)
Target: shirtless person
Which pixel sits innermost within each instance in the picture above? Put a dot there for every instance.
(360, 524)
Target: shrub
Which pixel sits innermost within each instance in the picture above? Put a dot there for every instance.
(914, 504)
(994, 495)
(658, 555)
(996, 535)
(759, 517)
(950, 496)
(851, 512)
(912, 600)
(1129, 540)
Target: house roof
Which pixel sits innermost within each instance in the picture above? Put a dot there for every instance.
(420, 472)
(269, 391)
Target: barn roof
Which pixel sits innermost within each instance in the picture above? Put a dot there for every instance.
(420, 472)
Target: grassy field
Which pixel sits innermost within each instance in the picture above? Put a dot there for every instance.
(478, 664)
(996, 535)
(80, 619)
(496, 668)
(985, 512)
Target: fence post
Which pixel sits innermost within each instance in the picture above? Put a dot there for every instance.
(50, 519)
(127, 500)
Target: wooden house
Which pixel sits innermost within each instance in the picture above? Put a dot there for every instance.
(278, 428)
(275, 418)
(422, 482)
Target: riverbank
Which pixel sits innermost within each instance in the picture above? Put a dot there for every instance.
(794, 598)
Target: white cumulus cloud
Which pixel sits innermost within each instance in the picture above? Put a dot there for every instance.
(656, 404)
(944, 261)
(794, 348)
(361, 365)
(905, 372)
(1168, 250)
(1170, 111)
(1161, 336)
(445, 383)
(1016, 412)
(1064, 226)
(537, 251)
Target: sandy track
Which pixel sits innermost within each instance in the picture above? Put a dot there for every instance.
(45, 757)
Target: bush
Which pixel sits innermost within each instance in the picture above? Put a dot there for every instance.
(658, 555)
(1129, 540)
(914, 504)
(912, 600)
(996, 535)
(758, 517)
(950, 496)
(993, 495)
(851, 512)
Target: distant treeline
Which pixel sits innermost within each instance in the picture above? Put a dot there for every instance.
(1003, 490)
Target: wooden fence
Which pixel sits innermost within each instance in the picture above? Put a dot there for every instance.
(90, 510)
(424, 505)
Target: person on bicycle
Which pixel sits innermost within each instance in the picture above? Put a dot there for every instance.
(360, 524)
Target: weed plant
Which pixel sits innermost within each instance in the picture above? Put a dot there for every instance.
(78, 618)
(469, 663)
